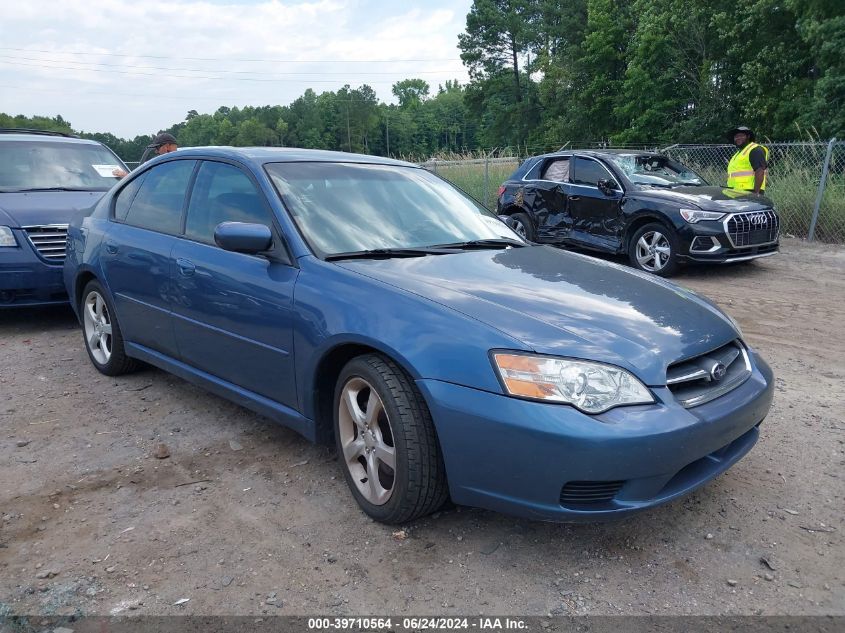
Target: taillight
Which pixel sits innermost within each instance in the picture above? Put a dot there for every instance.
(501, 191)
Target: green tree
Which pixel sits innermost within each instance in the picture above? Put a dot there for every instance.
(411, 92)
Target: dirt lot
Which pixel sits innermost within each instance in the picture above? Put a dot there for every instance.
(245, 517)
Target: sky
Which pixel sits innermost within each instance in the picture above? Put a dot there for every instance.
(138, 66)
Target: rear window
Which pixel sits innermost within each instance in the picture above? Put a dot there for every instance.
(158, 203)
(41, 164)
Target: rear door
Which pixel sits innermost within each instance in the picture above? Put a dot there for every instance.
(136, 253)
(549, 201)
(596, 216)
(233, 312)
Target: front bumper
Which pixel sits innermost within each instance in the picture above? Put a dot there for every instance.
(527, 458)
(695, 236)
(26, 279)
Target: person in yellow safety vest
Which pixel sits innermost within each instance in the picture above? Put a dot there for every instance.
(747, 168)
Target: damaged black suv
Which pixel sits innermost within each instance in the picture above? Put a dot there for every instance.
(657, 211)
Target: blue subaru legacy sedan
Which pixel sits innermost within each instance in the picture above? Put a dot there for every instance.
(365, 302)
(45, 179)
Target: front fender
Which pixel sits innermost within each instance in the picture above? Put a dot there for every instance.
(335, 306)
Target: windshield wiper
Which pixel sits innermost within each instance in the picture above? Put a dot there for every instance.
(492, 243)
(387, 253)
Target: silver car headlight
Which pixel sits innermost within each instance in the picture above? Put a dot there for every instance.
(7, 238)
(697, 215)
(588, 386)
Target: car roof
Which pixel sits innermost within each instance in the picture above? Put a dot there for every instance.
(261, 155)
(598, 153)
(35, 137)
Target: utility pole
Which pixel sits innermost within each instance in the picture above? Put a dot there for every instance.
(348, 135)
(387, 128)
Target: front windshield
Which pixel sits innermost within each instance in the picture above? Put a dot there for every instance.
(655, 170)
(350, 207)
(37, 164)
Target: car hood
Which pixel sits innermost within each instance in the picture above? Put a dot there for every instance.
(707, 198)
(566, 304)
(44, 207)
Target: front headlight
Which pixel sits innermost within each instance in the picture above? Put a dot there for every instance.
(7, 238)
(588, 386)
(696, 215)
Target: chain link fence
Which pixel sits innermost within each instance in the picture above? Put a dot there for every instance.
(806, 181)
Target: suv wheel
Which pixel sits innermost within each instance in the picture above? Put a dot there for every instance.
(522, 226)
(386, 442)
(654, 248)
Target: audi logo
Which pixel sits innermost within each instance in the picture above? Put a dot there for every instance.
(758, 219)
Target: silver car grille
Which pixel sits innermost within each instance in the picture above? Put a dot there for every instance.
(753, 228)
(701, 379)
(49, 240)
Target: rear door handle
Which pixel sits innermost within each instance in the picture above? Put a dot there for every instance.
(186, 267)
(574, 197)
(111, 248)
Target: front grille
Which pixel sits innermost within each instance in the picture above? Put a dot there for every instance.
(589, 493)
(50, 241)
(701, 379)
(752, 228)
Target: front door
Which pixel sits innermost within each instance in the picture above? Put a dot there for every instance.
(232, 311)
(596, 216)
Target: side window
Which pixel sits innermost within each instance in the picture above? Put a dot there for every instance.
(557, 170)
(158, 203)
(588, 172)
(223, 193)
(126, 196)
(534, 172)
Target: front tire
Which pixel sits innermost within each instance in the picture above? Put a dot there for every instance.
(654, 249)
(101, 332)
(386, 442)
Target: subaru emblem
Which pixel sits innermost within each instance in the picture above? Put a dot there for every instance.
(718, 371)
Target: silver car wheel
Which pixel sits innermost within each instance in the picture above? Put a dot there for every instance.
(519, 229)
(366, 439)
(653, 251)
(98, 327)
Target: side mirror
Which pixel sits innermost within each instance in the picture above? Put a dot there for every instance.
(607, 186)
(241, 237)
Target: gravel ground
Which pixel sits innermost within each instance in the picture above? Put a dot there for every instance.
(245, 517)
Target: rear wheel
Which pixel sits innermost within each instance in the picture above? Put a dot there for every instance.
(522, 226)
(103, 339)
(654, 249)
(386, 442)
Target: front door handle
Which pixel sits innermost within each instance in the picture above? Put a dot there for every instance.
(574, 197)
(186, 267)
(111, 248)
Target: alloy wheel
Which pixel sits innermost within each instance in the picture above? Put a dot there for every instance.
(98, 327)
(366, 439)
(653, 251)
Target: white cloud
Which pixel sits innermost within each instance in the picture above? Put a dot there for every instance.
(126, 67)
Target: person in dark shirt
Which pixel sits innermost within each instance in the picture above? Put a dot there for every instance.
(163, 143)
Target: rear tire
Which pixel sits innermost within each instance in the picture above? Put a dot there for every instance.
(654, 249)
(386, 442)
(523, 226)
(101, 332)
